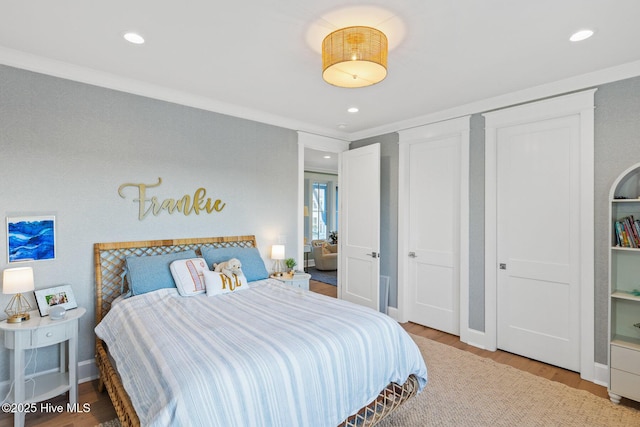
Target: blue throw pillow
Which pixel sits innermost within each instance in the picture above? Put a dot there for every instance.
(149, 273)
(252, 263)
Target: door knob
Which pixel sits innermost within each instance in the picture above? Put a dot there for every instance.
(413, 255)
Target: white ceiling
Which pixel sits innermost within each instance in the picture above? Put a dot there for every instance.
(260, 59)
(320, 161)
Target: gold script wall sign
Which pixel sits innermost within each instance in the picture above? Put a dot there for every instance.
(186, 204)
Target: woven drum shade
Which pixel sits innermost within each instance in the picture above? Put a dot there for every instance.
(354, 57)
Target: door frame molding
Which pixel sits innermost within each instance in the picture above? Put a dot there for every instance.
(582, 105)
(460, 127)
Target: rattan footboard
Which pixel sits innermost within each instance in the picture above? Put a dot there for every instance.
(387, 402)
(111, 381)
(109, 260)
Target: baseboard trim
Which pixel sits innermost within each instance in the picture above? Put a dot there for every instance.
(601, 375)
(87, 371)
(474, 338)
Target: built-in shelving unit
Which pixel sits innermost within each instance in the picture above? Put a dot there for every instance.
(624, 277)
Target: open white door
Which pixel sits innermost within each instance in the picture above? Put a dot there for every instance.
(359, 263)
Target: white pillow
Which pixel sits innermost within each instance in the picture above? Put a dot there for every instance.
(218, 283)
(188, 275)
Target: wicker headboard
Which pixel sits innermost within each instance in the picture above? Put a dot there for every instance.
(109, 261)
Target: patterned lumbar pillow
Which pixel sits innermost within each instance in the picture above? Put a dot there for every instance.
(189, 275)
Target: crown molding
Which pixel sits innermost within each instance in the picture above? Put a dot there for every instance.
(39, 64)
(571, 84)
(61, 69)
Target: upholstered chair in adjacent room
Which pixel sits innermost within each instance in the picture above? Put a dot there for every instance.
(325, 255)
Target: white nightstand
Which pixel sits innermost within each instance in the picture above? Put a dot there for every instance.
(35, 333)
(301, 280)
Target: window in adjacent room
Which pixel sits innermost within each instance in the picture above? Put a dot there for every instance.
(319, 213)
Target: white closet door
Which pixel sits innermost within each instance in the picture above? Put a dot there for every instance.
(539, 248)
(433, 159)
(433, 221)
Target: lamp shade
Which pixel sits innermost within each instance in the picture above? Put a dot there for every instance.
(277, 252)
(354, 57)
(17, 280)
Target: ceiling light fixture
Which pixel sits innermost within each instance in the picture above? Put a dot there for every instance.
(134, 38)
(353, 109)
(354, 57)
(581, 35)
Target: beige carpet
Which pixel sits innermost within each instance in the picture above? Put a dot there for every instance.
(469, 390)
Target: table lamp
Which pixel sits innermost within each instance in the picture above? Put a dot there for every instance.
(15, 281)
(277, 254)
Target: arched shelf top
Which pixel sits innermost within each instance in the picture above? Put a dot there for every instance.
(627, 185)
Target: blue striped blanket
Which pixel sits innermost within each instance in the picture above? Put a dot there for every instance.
(270, 355)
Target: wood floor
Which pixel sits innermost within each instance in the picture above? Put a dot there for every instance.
(101, 409)
(553, 373)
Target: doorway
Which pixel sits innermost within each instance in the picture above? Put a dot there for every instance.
(318, 196)
(321, 195)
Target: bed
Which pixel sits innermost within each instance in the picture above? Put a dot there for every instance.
(298, 377)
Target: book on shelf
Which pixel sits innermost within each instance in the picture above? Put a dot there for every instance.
(627, 232)
(619, 231)
(633, 234)
(634, 226)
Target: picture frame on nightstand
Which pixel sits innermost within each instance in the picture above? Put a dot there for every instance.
(57, 296)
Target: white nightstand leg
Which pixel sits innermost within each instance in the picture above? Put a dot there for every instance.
(73, 367)
(18, 386)
(63, 356)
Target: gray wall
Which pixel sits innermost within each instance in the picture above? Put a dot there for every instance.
(476, 223)
(66, 147)
(617, 147)
(617, 137)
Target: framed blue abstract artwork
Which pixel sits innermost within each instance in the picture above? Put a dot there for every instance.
(31, 238)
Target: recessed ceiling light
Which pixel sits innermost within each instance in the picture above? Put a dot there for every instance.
(327, 157)
(353, 109)
(134, 38)
(581, 35)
